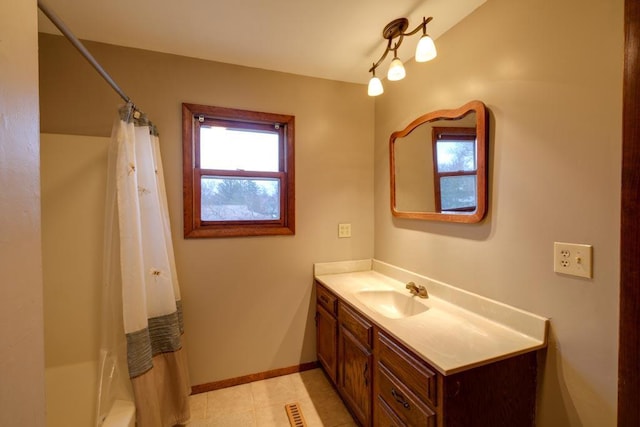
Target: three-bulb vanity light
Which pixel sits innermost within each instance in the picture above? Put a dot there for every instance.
(425, 51)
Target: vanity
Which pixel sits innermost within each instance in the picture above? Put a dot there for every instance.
(453, 359)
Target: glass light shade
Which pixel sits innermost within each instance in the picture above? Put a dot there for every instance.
(396, 70)
(375, 87)
(426, 49)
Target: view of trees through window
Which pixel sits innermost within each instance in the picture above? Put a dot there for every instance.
(458, 192)
(237, 199)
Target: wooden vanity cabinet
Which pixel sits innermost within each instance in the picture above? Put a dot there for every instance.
(499, 394)
(344, 347)
(385, 384)
(355, 362)
(327, 331)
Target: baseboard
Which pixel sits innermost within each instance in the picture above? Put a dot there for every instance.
(216, 385)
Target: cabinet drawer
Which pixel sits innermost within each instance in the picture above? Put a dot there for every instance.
(404, 404)
(384, 416)
(413, 372)
(354, 323)
(325, 298)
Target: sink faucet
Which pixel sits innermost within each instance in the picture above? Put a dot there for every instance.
(421, 291)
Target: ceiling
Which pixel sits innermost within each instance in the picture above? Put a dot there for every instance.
(332, 39)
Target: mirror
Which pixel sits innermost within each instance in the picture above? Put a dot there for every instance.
(439, 166)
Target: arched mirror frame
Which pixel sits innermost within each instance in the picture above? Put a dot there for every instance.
(482, 130)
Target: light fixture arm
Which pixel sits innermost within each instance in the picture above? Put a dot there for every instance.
(396, 30)
(384, 55)
(422, 26)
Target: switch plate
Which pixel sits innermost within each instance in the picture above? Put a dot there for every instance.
(344, 230)
(573, 259)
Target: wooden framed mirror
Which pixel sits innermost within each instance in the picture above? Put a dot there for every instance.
(439, 166)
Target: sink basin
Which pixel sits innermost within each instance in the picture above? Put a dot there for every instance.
(392, 304)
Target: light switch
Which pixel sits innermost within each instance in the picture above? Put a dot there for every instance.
(344, 230)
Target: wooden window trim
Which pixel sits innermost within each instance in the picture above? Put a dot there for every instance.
(193, 226)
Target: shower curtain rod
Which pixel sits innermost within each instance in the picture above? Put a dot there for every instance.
(83, 50)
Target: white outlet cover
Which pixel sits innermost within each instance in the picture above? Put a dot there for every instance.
(573, 259)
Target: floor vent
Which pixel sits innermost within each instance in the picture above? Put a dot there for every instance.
(295, 415)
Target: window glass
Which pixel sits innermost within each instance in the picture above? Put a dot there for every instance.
(238, 149)
(456, 156)
(458, 192)
(239, 199)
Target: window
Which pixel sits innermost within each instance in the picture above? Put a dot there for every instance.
(456, 170)
(238, 172)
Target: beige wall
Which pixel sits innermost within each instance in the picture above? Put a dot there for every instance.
(551, 74)
(21, 332)
(247, 301)
(73, 170)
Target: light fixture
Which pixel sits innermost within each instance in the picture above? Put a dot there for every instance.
(375, 86)
(396, 69)
(425, 51)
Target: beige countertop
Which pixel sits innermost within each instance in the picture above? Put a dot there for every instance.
(458, 331)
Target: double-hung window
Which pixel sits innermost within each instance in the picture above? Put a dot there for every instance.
(238, 169)
(456, 169)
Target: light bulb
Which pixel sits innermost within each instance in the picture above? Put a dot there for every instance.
(375, 87)
(426, 49)
(396, 70)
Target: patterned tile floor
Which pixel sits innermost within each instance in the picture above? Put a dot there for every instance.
(261, 403)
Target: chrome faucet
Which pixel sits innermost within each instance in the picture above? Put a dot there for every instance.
(421, 291)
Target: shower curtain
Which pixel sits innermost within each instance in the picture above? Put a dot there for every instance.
(141, 283)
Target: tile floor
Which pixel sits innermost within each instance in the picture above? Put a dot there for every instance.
(261, 403)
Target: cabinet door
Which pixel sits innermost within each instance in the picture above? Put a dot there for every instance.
(354, 375)
(326, 341)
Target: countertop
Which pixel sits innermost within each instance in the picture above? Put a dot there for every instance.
(460, 330)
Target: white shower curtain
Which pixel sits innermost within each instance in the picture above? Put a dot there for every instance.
(138, 234)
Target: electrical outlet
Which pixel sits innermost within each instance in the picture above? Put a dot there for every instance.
(573, 259)
(344, 230)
